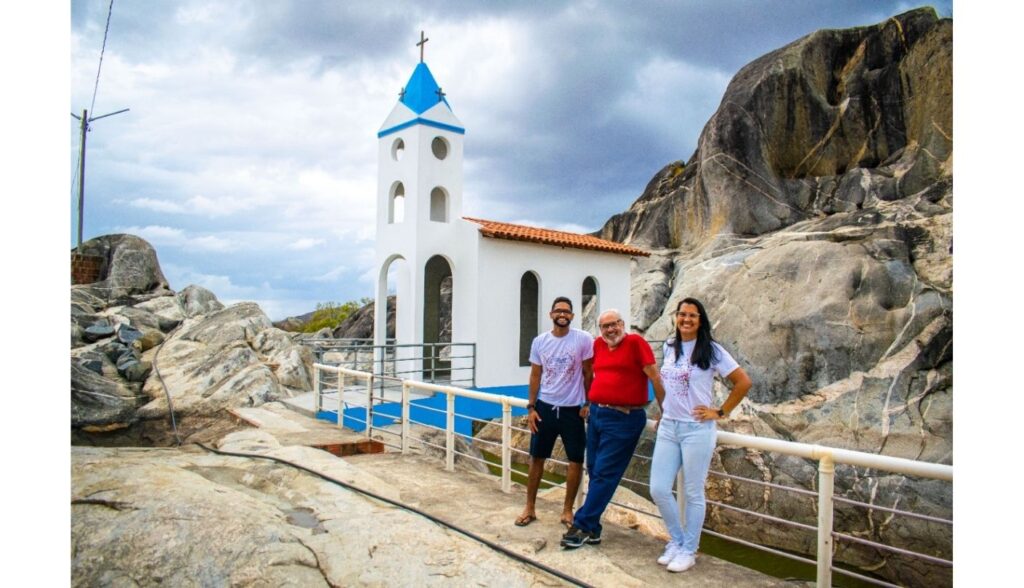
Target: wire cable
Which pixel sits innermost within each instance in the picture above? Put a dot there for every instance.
(95, 89)
(494, 546)
(96, 86)
(156, 369)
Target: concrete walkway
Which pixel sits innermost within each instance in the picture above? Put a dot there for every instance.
(474, 501)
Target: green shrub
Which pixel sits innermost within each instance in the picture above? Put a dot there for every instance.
(332, 314)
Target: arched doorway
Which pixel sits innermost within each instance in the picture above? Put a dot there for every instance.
(392, 291)
(437, 318)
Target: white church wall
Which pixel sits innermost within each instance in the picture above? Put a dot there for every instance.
(465, 300)
(561, 272)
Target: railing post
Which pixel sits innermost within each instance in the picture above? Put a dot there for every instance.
(369, 407)
(681, 496)
(405, 417)
(449, 441)
(316, 390)
(826, 482)
(341, 400)
(506, 446)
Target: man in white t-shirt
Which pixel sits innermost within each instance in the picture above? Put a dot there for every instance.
(561, 370)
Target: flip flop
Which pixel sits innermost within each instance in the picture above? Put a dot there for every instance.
(525, 520)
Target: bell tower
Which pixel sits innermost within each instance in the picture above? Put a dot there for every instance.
(419, 205)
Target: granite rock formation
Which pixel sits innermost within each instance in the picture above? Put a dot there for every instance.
(186, 517)
(814, 221)
(359, 324)
(131, 336)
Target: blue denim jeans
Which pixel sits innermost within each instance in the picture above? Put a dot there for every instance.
(690, 446)
(611, 441)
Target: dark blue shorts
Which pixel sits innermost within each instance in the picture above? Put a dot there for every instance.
(554, 421)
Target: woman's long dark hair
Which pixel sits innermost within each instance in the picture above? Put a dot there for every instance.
(703, 352)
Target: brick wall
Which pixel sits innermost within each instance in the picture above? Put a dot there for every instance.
(86, 269)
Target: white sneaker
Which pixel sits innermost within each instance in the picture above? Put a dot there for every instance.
(681, 562)
(671, 550)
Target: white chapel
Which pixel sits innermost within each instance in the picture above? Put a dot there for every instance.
(503, 276)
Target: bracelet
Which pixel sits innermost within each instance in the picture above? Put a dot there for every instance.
(531, 406)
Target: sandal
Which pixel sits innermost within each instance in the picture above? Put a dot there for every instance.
(524, 520)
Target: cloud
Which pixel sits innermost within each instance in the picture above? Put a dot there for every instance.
(160, 236)
(305, 243)
(157, 205)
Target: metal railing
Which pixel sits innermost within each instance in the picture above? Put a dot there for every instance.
(826, 457)
(452, 363)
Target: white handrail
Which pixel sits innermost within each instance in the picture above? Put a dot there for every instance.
(889, 463)
(342, 372)
(827, 457)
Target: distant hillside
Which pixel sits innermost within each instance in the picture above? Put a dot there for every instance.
(294, 324)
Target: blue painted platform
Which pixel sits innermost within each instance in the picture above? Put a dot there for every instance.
(431, 411)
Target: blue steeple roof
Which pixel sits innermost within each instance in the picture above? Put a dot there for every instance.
(422, 91)
(420, 95)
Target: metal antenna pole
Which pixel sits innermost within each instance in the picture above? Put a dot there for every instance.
(81, 175)
(81, 171)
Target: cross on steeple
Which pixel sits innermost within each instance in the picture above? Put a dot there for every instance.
(423, 41)
(401, 93)
(440, 94)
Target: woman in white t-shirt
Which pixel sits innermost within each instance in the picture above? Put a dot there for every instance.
(686, 430)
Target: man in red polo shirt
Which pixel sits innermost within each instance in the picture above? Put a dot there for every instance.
(623, 363)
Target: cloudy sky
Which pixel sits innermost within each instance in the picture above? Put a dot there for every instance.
(248, 158)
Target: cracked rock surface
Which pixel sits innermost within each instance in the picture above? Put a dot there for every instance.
(185, 517)
(814, 221)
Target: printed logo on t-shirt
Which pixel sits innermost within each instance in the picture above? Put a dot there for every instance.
(558, 367)
(678, 379)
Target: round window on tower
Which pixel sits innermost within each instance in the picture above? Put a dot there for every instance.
(397, 149)
(440, 147)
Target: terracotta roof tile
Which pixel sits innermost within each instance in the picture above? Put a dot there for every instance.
(499, 230)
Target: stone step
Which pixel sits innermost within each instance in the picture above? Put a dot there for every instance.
(291, 427)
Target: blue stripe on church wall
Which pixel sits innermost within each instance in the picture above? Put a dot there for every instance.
(421, 121)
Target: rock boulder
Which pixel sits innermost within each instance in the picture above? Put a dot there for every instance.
(814, 221)
(130, 267)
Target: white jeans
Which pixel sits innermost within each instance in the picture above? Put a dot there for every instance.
(689, 445)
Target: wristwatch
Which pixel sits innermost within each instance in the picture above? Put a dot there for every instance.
(531, 406)
(721, 413)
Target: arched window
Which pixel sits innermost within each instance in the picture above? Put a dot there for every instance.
(529, 301)
(396, 203)
(397, 149)
(590, 305)
(439, 205)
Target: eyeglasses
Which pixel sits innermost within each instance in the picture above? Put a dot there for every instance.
(561, 311)
(605, 326)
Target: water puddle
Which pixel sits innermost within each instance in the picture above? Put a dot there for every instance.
(304, 517)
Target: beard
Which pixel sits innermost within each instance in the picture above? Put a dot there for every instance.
(613, 341)
(562, 321)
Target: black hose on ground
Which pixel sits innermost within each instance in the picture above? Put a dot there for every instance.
(471, 535)
(167, 393)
